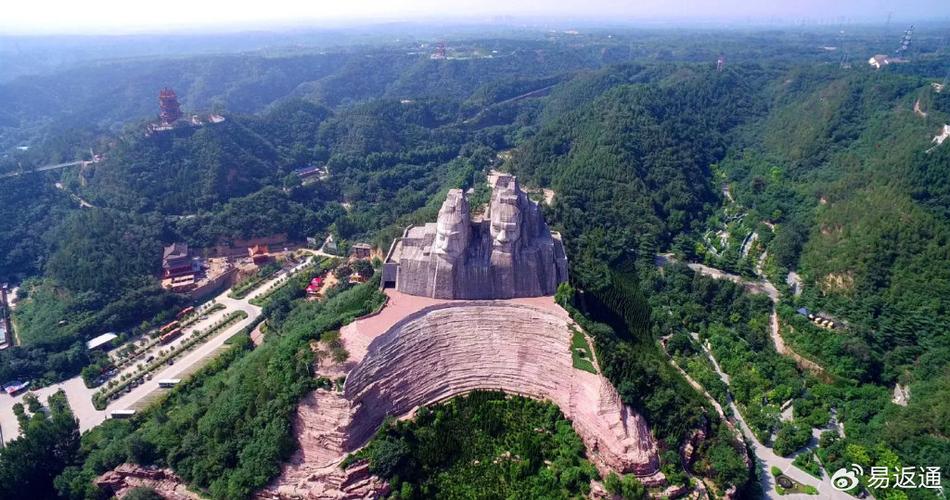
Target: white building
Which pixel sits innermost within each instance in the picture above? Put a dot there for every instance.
(942, 136)
(100, 341)
(879, 61)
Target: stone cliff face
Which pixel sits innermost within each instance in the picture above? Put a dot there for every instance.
(447, 350)
(452, 348)
(126, 477)
(510, 253)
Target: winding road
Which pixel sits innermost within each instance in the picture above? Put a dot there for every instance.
(754, 286)
(766, 457)
(80, 396)
(45, 168)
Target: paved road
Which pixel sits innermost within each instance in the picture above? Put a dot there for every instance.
(760, 285)
(768, 459)
(80, 397)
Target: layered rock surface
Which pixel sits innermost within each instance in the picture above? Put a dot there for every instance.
(508, 253)
(124, 478)
(446, 349)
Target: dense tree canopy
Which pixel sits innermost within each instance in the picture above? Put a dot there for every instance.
(485, 445)
(49, 442)
(636, 137)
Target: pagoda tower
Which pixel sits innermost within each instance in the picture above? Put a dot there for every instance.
(168, 104)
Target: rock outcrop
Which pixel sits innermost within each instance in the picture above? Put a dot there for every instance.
(125, 477)
(508, 253)
(448, 349)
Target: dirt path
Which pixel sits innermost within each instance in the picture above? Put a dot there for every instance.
(727, 193)
(768, 458)
(754, 286)
(699, 387)
(82, 203)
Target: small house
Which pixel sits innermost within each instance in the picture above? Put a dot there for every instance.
(176, 261)
(14, 387)
(315, 285)
(101, 341)
(309, 171)
(879, 61)
(362, 250)
(260, 254)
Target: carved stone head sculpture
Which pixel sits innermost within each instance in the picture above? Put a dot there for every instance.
(453, 227)
(505, 214)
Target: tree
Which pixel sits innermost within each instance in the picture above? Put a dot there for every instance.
(291, 181)
(363, 268)
(47, 445)
(627, 487)
(343, 272)
(791, 437)
(388, 456)
(564, 295)
(143, 493)
(32, 403)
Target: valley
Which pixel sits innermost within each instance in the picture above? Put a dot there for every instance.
(519, 262)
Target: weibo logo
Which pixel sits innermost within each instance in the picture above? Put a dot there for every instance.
(844, 479)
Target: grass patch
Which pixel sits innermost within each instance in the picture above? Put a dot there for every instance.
(244, 332)
(311, 271)
(153, 397)
(581, 353)
(247, 285)
(331, 340)
(785, 485)
(808, 462)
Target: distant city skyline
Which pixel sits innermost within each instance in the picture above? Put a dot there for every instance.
(136, 16)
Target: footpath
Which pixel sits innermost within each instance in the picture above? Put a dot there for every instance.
(766, 458)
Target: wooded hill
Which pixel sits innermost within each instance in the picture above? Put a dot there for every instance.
(636, 154)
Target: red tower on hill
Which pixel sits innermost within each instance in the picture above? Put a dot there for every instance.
(168, 103)
(439, 52)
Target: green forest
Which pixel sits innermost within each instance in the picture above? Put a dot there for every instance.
(227, 430)
(484, 445)
(783, 162)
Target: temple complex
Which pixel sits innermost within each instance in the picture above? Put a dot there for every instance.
(508, 253)
(170, 116)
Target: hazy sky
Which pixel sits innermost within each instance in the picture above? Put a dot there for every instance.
(123, 16)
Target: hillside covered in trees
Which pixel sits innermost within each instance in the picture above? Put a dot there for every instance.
(830, 167)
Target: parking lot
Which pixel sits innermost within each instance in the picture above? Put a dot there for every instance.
(80, 396)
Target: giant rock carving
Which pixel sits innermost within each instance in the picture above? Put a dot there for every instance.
(508, 253)
(471, 309)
